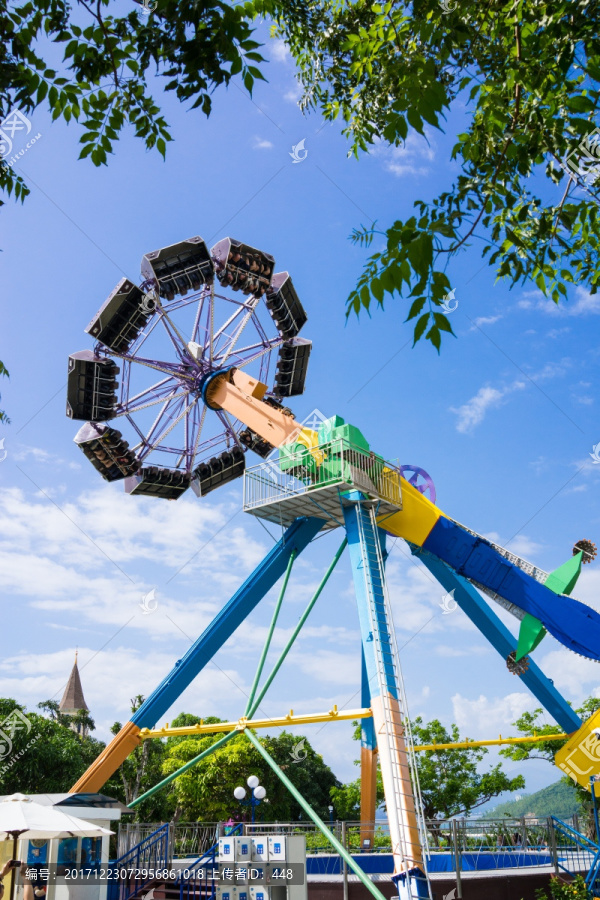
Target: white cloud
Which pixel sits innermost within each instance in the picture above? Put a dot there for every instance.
(294, 94)
(118, 674)
(279, 51)
(484, 716)
(577, 677)
(262, 143)
(412, 158)
(93, 558)
(484, 320)
(585, 304)
(473, 412)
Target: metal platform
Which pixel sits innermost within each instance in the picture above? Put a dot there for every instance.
(280, 497)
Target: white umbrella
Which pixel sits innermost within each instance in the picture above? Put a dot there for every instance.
(22, 817)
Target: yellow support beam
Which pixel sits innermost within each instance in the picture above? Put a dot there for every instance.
(494, 743)
(331, 716)
(309, 719)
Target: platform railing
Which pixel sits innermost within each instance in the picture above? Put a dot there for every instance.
(149, 856)
(576, 853)
(291, 474)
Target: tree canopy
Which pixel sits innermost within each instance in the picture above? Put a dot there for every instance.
(451, 781)
(531, 724)
(206, 791)
(44, 756)
(525, 78)
(524, 75)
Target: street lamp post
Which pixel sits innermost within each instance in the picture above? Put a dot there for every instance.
(257, 794)
(330, 808)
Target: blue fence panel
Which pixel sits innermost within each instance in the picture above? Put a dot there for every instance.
(138, 867)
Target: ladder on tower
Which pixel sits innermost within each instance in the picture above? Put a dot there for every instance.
(392, 724)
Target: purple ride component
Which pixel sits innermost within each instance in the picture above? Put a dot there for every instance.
(284, 305)
(167, 483)
(218, 471)
(242, 267)
(291, 367)
(107, 451)
(420, 479)
(122, 317)
(179, 268)
(91, 387)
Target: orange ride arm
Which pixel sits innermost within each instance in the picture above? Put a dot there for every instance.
(241, 395)
(109, 760)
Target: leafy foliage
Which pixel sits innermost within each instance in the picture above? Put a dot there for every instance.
(451, 782)
(561, 890)
(46, 759)
(559, 799)
(529, 725)
(526, 74)
(195, 45)
(206, 791)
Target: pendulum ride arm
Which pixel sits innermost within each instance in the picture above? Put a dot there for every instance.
(387, 697)
(492, 628)
(242, 396)
(267, 573)
(420, 522)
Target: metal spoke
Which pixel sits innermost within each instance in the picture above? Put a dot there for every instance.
(130, 409)
(251, 308)
(166, 368)
(200, 427)
(151, 388)
(148, 437)
(212, 325)
(198, 316)
(243, 306)
(223, 416)
(258, 355)
(169, 429)
(167, 323)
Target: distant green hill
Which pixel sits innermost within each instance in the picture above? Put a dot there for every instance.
(557, 799)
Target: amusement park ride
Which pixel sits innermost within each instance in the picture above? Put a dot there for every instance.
(222, 314)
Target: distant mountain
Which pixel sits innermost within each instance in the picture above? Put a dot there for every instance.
(558, 799)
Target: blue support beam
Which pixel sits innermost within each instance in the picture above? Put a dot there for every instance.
(367, 728)
(474, 606)
(273, 566)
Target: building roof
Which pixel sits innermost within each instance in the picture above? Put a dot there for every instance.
(72, 699)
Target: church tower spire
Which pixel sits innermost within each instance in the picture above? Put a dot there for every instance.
(73, 700)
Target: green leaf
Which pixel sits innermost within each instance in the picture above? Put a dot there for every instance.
(416, 307)
(420, 327)
(434, 336)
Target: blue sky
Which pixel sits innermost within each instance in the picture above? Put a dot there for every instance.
(504, 420)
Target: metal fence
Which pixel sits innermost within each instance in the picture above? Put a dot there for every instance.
(187, 840)
(338, 462)
(458, 836)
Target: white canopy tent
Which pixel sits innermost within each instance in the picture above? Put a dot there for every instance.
(21, 817)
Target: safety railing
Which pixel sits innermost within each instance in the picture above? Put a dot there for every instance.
(196, 880)
(140, 865)
(296, 470)
(187, 839)
(576, 853)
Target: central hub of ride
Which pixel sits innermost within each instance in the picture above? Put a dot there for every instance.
(208, 381)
